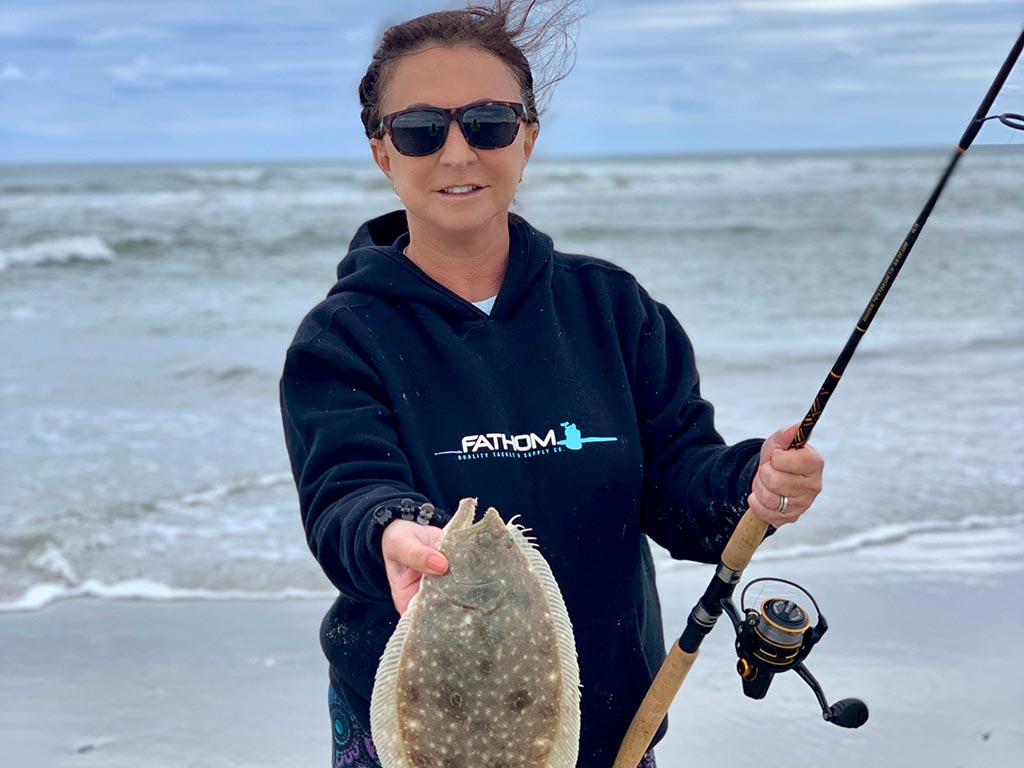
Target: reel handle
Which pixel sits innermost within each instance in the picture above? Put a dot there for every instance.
(847, 713)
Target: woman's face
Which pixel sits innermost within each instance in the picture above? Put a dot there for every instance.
(452, 77)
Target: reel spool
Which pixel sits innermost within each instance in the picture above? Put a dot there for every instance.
(776, 637)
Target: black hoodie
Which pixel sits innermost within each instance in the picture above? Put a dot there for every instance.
(574, 404)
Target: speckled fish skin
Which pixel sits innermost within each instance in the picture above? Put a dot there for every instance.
(481, 671)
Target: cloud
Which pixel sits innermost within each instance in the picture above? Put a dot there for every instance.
(848, 86)
(640, 18)
(303, 66)
(843, 6)
(982, 74)
(658, 20)
(143, 72)
(228, 125)
(12, 72)
(803, 35)
(106, 35)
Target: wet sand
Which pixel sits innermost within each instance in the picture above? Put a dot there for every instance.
(927, 631)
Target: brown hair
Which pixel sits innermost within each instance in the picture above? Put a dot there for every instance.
(504, 28)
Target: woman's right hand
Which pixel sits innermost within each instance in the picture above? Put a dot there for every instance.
(409, 552)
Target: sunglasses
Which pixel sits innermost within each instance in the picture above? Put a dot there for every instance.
(423, 130)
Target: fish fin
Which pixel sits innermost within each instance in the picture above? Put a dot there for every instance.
(522, 529)
(566, 750)
(384, 722)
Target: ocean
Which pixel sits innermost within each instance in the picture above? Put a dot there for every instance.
(145, 311)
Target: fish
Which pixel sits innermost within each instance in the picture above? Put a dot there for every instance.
(481, 671)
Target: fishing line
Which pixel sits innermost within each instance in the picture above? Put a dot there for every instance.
(1010, 120)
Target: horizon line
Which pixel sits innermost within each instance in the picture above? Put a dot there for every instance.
(538, 156)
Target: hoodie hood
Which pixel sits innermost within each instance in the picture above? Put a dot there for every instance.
(375, 266)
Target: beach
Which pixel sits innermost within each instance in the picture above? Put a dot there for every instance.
(158, 602)
(927, 638)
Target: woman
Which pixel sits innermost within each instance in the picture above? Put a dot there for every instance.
(460, 354)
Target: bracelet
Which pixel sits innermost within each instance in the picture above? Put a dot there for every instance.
(406, 509)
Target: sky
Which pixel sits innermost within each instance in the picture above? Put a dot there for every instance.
(136, 80)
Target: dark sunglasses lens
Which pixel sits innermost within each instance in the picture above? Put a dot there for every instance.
(419, 132)
(490, 126)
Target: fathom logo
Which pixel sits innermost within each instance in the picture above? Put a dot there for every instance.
(528, 444)
(495, 441)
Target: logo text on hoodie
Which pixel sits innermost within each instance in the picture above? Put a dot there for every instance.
(507, 446)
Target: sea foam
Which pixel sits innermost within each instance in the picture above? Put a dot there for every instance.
(60, 250)
(41, 595)
(876, 538)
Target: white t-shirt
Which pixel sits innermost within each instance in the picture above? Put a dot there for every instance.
(486, 305)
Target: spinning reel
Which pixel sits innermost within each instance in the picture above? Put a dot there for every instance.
(776, 637)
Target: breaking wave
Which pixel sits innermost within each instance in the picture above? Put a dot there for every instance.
(59, 250)
(875, 538)
(41, 595)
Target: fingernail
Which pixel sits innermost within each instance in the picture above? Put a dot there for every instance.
(437, 563)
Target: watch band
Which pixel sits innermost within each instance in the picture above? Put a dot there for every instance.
(406, 509)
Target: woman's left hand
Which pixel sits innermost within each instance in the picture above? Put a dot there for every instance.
(795, 475)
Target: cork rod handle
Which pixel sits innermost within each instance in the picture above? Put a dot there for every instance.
(654, 707)
(745, 539)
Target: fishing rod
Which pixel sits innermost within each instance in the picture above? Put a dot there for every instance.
(778, 635)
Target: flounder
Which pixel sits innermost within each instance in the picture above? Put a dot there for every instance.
(481, 671)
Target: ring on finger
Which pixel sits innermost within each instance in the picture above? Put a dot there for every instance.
(783, 503)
